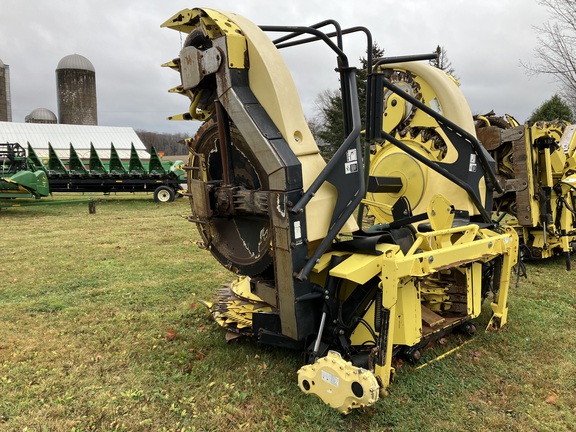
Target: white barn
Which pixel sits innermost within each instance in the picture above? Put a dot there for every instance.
(62, 135)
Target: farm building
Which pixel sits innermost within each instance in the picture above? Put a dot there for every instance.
(60, 136)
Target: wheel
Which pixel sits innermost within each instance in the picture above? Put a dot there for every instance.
(164, 194)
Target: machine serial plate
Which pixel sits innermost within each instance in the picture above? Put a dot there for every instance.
(329, 378)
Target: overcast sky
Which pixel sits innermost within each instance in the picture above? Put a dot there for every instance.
(484, 40)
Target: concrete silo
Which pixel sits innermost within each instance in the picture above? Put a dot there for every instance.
(76, 87)
(41, 115)
(5, 103)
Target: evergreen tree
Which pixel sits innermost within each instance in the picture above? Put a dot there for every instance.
(442, 61)
(328, 127)
(553, 109)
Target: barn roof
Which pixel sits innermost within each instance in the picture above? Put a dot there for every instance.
(62, 135)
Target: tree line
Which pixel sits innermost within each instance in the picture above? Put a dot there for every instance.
(170, 143)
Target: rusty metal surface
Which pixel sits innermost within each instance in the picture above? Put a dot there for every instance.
(524, 196)
(490, 137)
(241, 243)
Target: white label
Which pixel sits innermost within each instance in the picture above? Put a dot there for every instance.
(331, 379)
(351, 167)
(472, 166)
(567, 138)
(297, 230)
(351, 155)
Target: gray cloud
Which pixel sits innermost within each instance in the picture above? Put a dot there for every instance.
(123, 39)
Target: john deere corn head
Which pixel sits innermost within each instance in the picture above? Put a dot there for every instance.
(536, 167)
(27, 176)
(352, 296)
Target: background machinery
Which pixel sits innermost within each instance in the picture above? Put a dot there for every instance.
(19, 177)
(25, 175)
(310, 275)
(536, 167)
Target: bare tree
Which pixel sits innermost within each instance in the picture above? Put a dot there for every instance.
(555, 50)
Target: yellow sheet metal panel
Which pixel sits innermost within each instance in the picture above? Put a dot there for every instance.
(361, 335)
(474, 288)
(358, 268)
(214, 24)
(440, 213)
(234, 36)
(318, 214)
(392, 162)
(558, 161)
(408, 329)
(182, 21)
(451, 102)
(272, 84)
(324, 261)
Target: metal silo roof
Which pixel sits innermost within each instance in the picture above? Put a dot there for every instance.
(42, 114)
(75, 61)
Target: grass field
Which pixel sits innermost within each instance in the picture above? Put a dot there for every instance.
(101, 329)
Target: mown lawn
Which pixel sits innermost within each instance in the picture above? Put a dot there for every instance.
(101, 329)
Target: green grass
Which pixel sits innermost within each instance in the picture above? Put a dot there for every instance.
(87, 302)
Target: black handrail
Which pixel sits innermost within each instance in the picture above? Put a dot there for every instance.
(402, 59)
(338, 33)
(297, 30)
(345, 206)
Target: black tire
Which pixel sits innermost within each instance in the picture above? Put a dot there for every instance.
(163, 194)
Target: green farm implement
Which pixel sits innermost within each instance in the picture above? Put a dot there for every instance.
(31, 176)
(19, 177)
